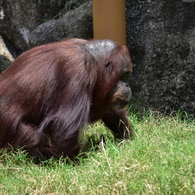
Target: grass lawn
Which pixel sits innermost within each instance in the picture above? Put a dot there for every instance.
(161, 160)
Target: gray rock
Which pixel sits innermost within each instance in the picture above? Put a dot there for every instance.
(5, 56)
(75, 23)
(19, 18)
(4, 63)
(27, 24)
(161, 38)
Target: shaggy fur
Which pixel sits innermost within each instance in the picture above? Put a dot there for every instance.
(51, 92)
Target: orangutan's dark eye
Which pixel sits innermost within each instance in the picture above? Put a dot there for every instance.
(108, 64)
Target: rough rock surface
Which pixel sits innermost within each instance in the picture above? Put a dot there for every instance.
(75, 23)
(20, 18)
(5, 56)
(25, 25)
(161, 38)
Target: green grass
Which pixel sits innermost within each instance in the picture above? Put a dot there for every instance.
(161, 160)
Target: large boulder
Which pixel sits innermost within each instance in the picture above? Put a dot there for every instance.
(21, 17)
(27, 24)
(5, 56)
(160, 36)
(75, 23)
(161, 39)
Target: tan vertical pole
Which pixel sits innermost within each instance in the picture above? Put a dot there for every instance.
(109, 21)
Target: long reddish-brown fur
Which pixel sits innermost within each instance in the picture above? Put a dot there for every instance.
(49, 93)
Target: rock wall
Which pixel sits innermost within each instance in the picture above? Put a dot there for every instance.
(21, 17)
(161, 39)
(75, 23)
(27, 24)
